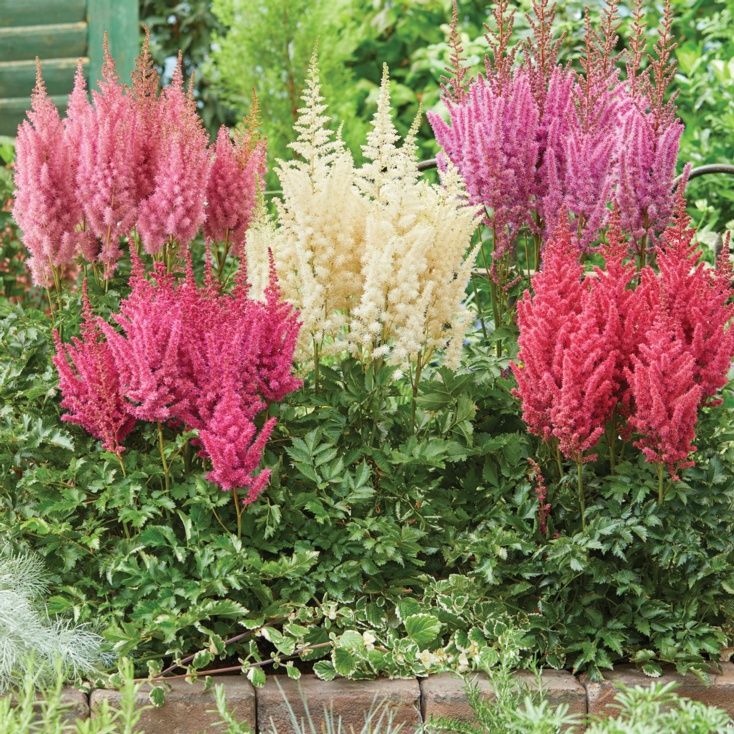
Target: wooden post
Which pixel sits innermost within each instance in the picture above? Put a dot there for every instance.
(119, 19)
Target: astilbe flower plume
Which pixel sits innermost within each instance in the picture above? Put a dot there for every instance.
(146, 352)
(532, 138)
(666, 396)
(565, 368)
(235, 447)
(635, 354)
(235, 179)
(109, 154)
(375, 258)
(47, 206)
(174, 211)
(586, 395)
(491, 139)
(622, 313)
(697, 298)
(89, 384)
(547, 320)
(145, 94)
(650, 136)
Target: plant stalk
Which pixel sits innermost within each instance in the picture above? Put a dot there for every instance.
(580, 486)
(238, 512)
(164, 463)
(661, 484)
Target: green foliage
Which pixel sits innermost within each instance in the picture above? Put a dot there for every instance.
(28, 713)
(267, 47)
(658, 710)
(705, 102)
(380, 547)
(14, 277)
(514, 707)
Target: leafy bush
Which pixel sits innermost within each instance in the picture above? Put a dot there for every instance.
(658, 710)
(706, 64)
(14, 278)
(384, 548)
(404, 529)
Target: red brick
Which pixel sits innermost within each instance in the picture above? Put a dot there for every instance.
(75, 705)
(348, 699)
(718, 692)
(188, 708)
(443, 696)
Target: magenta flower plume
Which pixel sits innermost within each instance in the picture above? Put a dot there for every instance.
(89, 384)
(647, 158)
(547, 320)
(47, 207)
(108, 167)
(175, 208)
(280, 328)
(555, 125)
(666, 397)
(209, 360)
(235, 179)
(235, 448)
(492, 140)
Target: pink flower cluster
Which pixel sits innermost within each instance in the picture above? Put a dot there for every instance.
(609, 352)
(131, 160)
(540, 137)
(185, 355)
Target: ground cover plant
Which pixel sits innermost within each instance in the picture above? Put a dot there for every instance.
(313, 437)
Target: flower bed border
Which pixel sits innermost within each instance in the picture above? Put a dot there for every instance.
(189, 709)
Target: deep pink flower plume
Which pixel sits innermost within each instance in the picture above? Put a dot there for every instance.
(89, 384)
(547, 319)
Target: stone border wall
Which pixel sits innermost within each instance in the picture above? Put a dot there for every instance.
(191, 710)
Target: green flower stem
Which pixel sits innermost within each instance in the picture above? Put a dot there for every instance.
(164, 463)
(238, 512)
(580, 486)
(414, 396)
(558, 463)
(661, 484)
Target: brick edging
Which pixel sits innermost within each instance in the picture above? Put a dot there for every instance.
(189, 709)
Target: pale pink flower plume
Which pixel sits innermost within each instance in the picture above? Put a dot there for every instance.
(174, 211)
(47, 206)
(235, 180)
(109, 156)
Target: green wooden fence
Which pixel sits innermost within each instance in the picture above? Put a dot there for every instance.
(59, 32)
